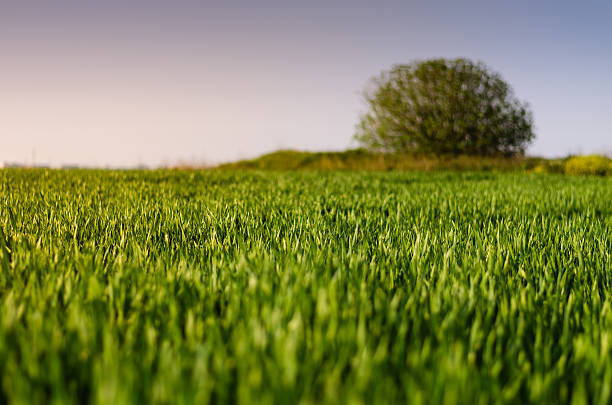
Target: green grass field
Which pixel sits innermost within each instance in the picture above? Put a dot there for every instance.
(311, 287)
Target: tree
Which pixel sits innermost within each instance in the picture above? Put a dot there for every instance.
(447, 107)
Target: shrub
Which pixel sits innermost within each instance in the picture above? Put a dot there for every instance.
(596, 165)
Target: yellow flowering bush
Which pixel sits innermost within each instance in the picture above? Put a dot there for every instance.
(589, 165)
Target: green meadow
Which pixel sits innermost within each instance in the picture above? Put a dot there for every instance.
(220, 286)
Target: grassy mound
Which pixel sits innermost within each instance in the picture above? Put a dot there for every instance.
(358, 159)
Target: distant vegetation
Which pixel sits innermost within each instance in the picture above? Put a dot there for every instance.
(360, 159)
(595, 165)
(444, 107)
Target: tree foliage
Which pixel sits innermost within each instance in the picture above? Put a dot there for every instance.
(444, 106)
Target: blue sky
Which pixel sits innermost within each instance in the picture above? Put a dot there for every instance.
(119, 83)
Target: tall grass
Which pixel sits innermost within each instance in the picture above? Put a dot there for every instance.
(311, 287)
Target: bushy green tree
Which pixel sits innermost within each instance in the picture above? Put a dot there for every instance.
(444, 106)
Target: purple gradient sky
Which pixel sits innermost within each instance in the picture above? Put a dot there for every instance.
(120, 83)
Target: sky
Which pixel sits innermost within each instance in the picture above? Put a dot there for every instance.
(120, 83)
